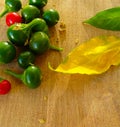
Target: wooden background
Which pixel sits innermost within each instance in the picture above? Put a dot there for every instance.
(64, 100)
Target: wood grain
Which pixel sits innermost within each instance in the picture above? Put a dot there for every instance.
(64, 100)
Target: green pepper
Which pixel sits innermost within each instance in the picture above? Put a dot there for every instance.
(31, 76)
(30, 12)
(7, 52)
(26, 59)
(11, 6)
(19, 33)
(51, 16)
(41, 26)
(40, 43)
(38, 3)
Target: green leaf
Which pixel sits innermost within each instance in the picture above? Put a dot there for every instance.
(107, 19)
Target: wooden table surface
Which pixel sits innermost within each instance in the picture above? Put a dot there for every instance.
(64, 100)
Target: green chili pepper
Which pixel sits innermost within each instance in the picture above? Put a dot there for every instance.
(31, 76)
(19, 33)
(39, 43)
(26, 59)
(41, 26)
(51, 16)
(38, 3)
(11, 6)
(7, 52)
(30, 12)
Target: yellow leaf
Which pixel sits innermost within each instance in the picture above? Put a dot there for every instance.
(92, 57)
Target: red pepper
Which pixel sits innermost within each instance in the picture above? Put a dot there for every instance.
(5, 86)
(12, 18)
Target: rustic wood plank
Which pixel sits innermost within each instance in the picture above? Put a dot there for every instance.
(64, 100)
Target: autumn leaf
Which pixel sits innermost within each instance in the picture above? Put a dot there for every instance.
(92, 57)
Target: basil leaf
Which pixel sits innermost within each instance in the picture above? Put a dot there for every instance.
(107, 19)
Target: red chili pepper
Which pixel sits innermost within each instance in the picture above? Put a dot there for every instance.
(5, 86)
(13, 17)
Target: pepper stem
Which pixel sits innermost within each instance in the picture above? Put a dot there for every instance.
(32, 23)
(55, 48)
(19, 76)
(4, 12)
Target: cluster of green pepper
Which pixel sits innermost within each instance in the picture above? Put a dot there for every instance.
(33, 33)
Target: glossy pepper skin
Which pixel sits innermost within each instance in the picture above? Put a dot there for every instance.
(7, 52)
(40, 43)
(12, 18)
(5, 86)
(38, 3)
(26, 59)
(30, 12)
(31, 76)
(11, 6)
(19, 33)
(41, 26)
(51, 16)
